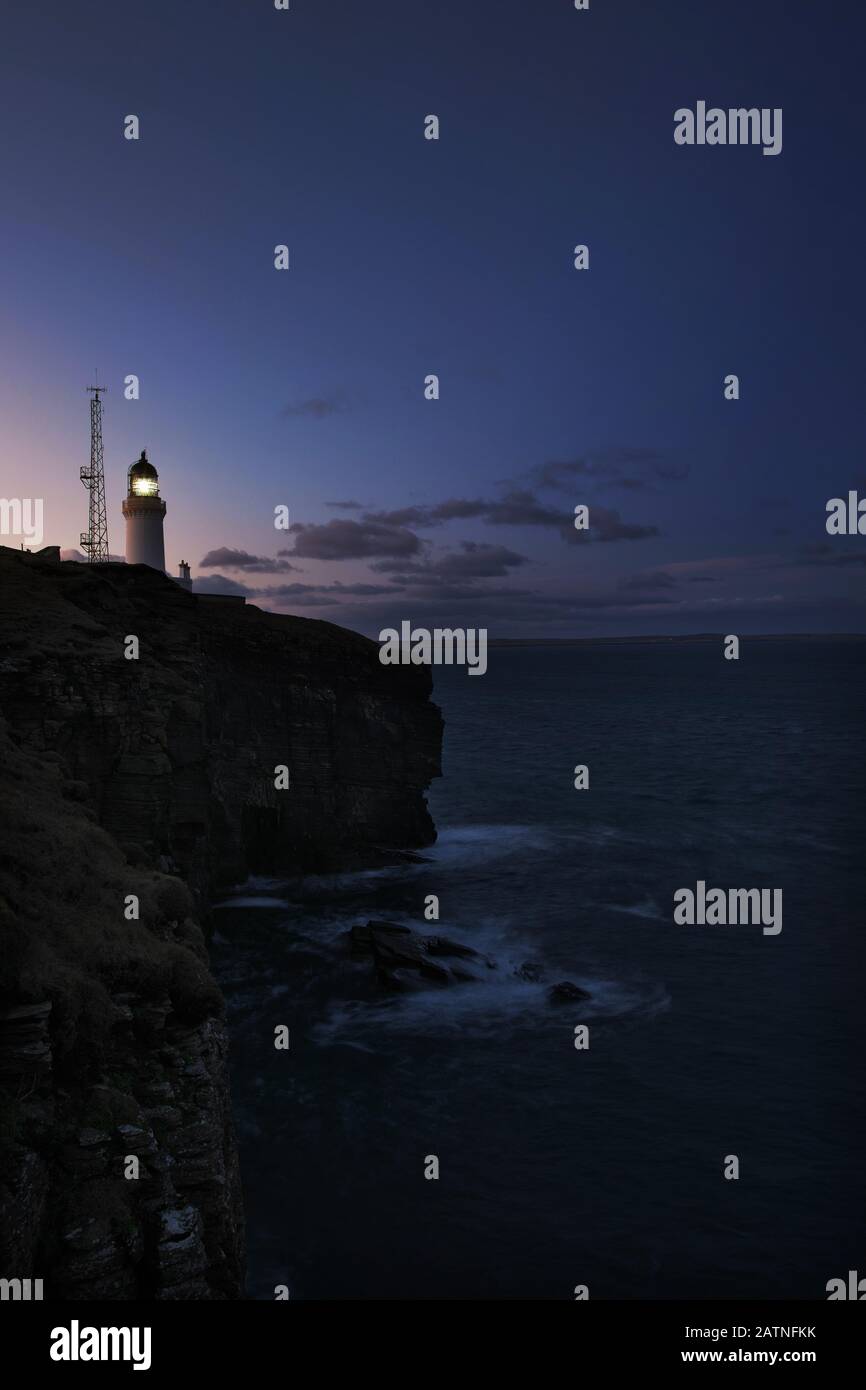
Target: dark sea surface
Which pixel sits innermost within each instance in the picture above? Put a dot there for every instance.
(561, 1167)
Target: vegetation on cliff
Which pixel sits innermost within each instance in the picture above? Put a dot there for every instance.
(129, 789)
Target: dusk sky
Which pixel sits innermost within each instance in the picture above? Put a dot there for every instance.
(409, 257)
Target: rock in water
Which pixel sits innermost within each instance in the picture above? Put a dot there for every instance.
(441, 946)
(567, 993)
(531, 972)
(396, 949)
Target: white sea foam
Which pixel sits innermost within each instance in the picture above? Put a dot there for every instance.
(253, 901)
(473, 844)
(498, 999)
(647, 908)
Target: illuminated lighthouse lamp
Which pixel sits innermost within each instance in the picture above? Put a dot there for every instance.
(143, 478)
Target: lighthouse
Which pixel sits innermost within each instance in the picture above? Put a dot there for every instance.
(144, 512)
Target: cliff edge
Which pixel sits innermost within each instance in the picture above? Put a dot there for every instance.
(130, 789)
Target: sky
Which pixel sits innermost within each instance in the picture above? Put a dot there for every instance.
(305, 388)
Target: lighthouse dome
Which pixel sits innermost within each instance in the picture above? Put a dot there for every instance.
(143, 478)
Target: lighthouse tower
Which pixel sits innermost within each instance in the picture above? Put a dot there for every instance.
(144, 511)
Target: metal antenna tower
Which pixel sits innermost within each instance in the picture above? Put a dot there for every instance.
(94, 541)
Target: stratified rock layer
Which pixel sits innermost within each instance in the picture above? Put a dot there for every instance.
(155, 777)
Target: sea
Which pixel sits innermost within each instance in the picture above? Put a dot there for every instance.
(608, 1166)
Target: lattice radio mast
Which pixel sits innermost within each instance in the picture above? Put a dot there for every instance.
(94, 541)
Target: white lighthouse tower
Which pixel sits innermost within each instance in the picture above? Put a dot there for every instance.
(144, 511)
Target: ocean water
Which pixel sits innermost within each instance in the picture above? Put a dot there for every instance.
(561, 1167)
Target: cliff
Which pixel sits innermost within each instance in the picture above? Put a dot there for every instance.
(154, 778)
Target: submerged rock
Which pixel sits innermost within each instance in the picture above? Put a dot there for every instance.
(531, 972)
(567, 993)
(396, 949)
(362, 939)
(442, 946)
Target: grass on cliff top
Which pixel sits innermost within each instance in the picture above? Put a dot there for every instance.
(63, 934)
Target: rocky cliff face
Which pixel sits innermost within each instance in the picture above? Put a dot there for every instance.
(154, 779)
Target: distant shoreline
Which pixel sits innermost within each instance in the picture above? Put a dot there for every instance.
(690, 637)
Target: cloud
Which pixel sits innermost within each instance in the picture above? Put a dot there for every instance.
(316, 407)
(224, 557)
(345, 506)
(352, 540)
(403, 516)
(829, 556)
(820, 555)
(458, 509)
(654, 580)
(517, 507)
(631, 468)
(219, 584)
(521, 508)
(607, 525)
(80, 558)
(508, 611)
(336, 591)
(467, 604)
(477, 560)
(723, 568)
(474, 560)
(455, 589)
(296, 596)
(558, 475)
